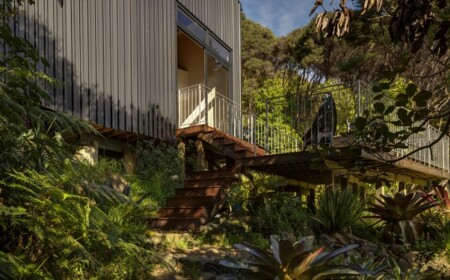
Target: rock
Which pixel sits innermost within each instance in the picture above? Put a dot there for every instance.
(325, 239)
(340, 239)
(403, 264)
(410, 257)
(398, 250)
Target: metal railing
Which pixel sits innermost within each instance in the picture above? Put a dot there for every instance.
(201, 105)
(279, 139)
(283, 134)
(436, 156)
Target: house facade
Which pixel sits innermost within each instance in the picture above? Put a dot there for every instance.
(122, 63)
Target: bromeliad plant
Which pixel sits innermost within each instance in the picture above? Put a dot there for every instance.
(442, 197)
(289, 261)
(398, 214)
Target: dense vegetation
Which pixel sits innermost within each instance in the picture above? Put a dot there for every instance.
(61, 218)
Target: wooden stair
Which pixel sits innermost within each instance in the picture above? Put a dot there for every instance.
(196, 203)
(231, 146)
(204, 193)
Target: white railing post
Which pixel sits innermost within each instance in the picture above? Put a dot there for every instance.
(180, 112)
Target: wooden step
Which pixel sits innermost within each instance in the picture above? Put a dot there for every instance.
(204, 183)
(234, 147)
(214, 174)
(207, 201)
(191, 211)
(177, 223)
(199, 191)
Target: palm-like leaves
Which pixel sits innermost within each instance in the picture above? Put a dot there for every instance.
(442, 197)
(400, 207)
(398, 213)
(292, 261)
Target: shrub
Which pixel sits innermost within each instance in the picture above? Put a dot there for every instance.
(158, 172)
(339, 210)
(282, 214)
(444, 238)
(246, 195)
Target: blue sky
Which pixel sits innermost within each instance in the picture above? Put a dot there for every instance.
(283, 16)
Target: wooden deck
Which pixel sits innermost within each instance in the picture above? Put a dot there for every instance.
(313, 168)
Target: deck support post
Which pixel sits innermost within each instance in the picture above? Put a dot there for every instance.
(380, 189)
(311, 201)
(200, 162)
(344, 183)
(401, 187)
(182, 156)
(129, 159)
(355, 188)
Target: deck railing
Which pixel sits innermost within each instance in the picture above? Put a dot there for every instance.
(201, 105)
(436, 156)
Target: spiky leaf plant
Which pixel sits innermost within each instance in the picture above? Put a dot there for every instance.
(291, 261)
(398, 214)
(339, 210)
(442, 197)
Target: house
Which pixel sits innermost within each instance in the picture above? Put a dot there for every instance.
(167, 69)
(124, 62)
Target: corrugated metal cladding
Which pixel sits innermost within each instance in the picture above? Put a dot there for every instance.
(223, 18)
(117, 58)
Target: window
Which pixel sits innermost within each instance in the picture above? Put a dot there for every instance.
(191, 26)
(204, 36)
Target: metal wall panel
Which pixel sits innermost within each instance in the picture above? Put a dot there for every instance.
(117, 58)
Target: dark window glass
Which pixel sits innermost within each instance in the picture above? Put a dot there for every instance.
(192, 27)
(219, 49)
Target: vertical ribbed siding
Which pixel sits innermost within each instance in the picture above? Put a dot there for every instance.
(223, 18)
(116, 59)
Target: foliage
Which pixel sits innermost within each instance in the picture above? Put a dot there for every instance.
(397, 273)
(398, 213)
(273, 108)
(370, 51)
(58, 218)
(408, 22)
(339, 210)
(390, 123)
(158, 169)
(442, 197)
(291, 261)
(282, 214)
(67, 233)
(444, 238)
(249, 192)
(256, 56)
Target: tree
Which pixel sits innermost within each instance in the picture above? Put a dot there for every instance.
(417, 34)
(257, 59)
